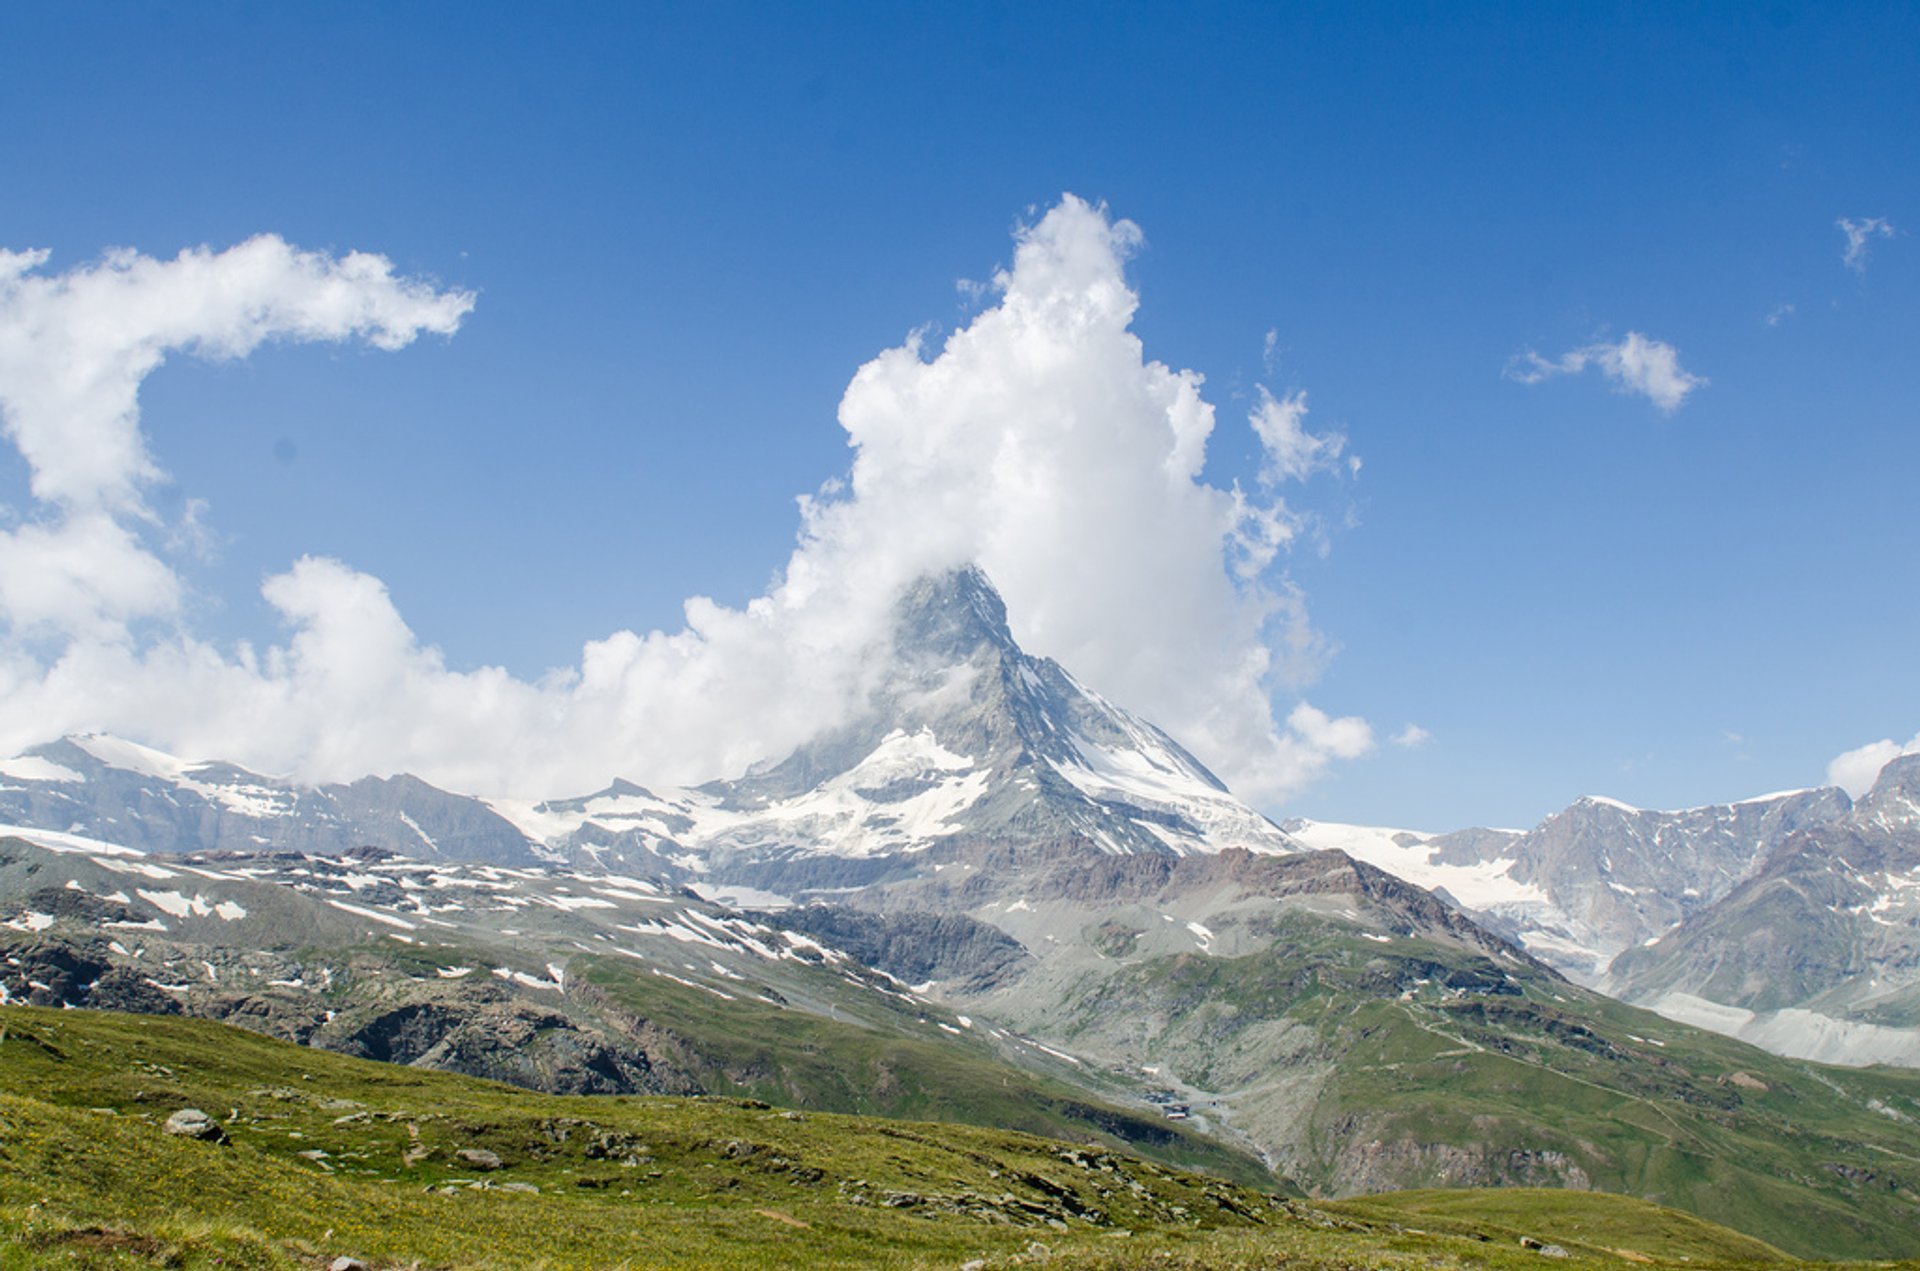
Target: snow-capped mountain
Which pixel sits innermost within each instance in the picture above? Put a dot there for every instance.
(114, 790)
(1596, 878)
(1817, 954)
(969, 740)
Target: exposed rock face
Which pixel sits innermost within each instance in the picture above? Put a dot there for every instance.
(1597, 878)
(1375, 1166)
(1624, 875)
(52, 972)
(1817, 955)
(913, 947)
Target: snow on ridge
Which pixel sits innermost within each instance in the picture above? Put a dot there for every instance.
(360, 911)
(1483, 885)
(1601, 800)
(536, 819)
(740, 897)
(131, 756)
(1773, 797)
(838, 818)
(1150, 775)
(34, 768)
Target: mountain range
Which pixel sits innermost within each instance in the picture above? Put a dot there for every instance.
(993, 895)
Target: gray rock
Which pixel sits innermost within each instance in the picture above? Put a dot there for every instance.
(479, 1158)
(192, 1123)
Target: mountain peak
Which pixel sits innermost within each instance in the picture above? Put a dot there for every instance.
(951, 614)
(1894, 800)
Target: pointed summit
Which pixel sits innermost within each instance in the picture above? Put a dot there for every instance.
(970, 736)
(966, 741)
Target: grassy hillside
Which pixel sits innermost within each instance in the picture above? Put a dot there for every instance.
(811, 1061)
(328, 1156)
(1586, 1220)
(1368, 1063)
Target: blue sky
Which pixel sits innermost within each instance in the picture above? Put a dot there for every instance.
(686, 228)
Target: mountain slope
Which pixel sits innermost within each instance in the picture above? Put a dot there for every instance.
(328, 1157)
(543, 977)
(1362, 1035)
(119, 792)
(1818, 954)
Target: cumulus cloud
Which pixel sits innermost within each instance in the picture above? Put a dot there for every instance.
(1857, 769)
(1412, 737)
(1038, 441)
(74, 348)
(1635, 364)
(1860, 235)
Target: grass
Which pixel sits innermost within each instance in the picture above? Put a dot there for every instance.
(329, 1155)
(1587, 1220)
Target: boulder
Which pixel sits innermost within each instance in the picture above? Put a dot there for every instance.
(192, 1123)
(479, 1158)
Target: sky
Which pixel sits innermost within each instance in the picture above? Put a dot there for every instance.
(1429, 414)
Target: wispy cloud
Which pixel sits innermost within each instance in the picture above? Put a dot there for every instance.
(1860, 235)
(1635, 364)
(1038, 441)
(1412, 737)
(1779, 313)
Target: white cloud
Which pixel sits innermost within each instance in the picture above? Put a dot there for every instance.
(1037, 441)
(1412, 737)
(1780, 313)
(1291, 452)
(1857, 769)
(1860, 235)
(1635, 364)
(74, 348)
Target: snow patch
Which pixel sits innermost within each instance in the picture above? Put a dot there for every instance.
(737, 897)
(359, 911)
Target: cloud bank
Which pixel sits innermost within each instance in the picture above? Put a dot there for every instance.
(1038, 441)
(1636, 364)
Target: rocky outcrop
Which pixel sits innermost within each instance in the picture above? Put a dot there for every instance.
(914, 947)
